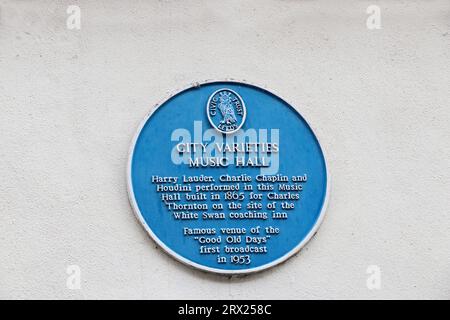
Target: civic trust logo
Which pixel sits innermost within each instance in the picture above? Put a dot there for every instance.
(226, 111)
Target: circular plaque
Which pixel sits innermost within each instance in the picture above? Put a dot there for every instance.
(227, 177)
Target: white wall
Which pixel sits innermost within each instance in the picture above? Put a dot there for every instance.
(70, 101)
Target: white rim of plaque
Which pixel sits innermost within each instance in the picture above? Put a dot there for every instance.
(193, 264)
(244, 117)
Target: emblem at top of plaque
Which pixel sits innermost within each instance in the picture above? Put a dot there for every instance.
(226, 111)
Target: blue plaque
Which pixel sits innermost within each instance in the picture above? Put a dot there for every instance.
(227, 177)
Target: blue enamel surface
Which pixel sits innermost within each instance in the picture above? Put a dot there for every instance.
(299, 153)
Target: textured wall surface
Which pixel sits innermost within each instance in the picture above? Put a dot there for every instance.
(71, 100)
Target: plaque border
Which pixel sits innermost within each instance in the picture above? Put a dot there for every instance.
(176, 256)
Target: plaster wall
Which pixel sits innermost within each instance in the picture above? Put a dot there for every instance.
(71, 100)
